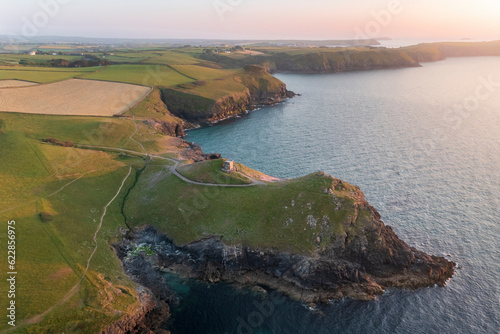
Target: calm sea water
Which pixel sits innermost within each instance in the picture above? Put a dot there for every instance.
(430, 166)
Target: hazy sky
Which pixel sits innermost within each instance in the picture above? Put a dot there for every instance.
(273, 19)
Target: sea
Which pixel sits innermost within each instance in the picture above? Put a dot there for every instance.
(424, 146)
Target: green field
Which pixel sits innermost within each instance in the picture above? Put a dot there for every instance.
(52, 69)
(15, 59)
(174, 58)
(52, 253)
(203, 73)
(39, 76)
(152, 107)
(43, 74)
(211, 172)
(146, 75)
(57, 194)
(257, 216)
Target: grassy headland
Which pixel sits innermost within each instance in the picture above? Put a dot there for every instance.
(57, 194)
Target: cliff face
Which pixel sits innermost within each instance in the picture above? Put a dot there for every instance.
(342, 61)
(357, 263)
(252, 87)
(148, 319)
(154, 297)
(153, 111)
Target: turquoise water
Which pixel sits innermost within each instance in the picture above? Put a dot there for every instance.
(432, 170)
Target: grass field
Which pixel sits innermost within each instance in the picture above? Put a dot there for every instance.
(174, 57)
(52, 69)
(203, 73)
(39, 76)
(72, 186)
(215, 89)
(147, 75)
(57, 194)
(15, 83)
(152, 107)
(211, 172)
(273, 216)
(73, 97)
(15, 59)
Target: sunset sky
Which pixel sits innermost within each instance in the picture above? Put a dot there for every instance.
(253, 19)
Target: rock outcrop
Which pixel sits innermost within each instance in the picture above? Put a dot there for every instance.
(154, 297)
(359, 263)
(149, 318)
(253, 87)
(167, 128)
(348, 60)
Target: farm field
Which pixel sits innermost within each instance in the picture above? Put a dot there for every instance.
(41, 76)
(15, 83)
(147, 75)
(173, 58)
(73, 97)
(15, 59)
(202, 73)
(52, 69)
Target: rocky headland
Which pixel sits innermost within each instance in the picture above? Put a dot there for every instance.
(359, 261)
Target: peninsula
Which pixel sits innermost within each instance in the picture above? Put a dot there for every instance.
(107, 198)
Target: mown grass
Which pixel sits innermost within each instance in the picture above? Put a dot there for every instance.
(210, 171)
(146, 75)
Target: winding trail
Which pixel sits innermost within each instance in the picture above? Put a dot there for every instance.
(173, 168)
(131, 137)
(100, 223)
(74, 289)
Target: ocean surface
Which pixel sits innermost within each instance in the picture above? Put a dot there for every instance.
(424, 146)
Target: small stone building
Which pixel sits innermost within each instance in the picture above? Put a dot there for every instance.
(228, 166)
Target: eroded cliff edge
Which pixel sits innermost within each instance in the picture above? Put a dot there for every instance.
(225, 97)
(358, 258)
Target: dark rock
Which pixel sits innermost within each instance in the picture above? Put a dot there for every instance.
(359, 266)
(167, 128)
(212, 156)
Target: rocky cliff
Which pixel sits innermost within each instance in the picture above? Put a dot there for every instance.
(331, 60)
(341, 61)
(358, 259)
(149, 318)
(251, 87)
(154, 297)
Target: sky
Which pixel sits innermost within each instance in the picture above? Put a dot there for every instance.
(253, 19)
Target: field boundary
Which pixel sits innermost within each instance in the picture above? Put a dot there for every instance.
(136, 103)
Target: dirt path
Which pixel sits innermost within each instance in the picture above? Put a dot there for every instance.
(75, 288)
(131, 137)
(102, 219)
(173, 168)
